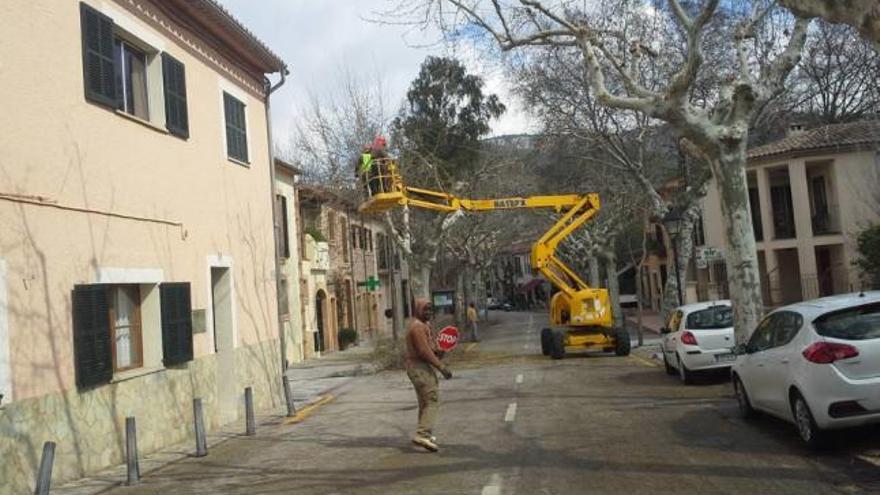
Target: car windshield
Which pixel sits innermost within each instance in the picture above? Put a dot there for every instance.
(857, 323)
(710, 318)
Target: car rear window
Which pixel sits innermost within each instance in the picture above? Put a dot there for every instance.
(710, 318)
(856, 323)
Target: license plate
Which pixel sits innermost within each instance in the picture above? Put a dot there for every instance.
(725, 358)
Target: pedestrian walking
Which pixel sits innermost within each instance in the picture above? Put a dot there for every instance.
(472, 322)
(422, 359)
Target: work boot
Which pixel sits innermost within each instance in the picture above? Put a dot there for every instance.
(426, 443)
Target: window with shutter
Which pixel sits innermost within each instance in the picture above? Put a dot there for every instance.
(99, 67)
(92, 347)
(177, 341)
(174, 79)
(236, 128)
(285, 235)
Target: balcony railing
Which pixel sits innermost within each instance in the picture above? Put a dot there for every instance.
(826, 220)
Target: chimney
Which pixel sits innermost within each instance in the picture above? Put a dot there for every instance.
(794, 129)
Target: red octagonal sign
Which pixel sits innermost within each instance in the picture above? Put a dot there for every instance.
(447, 339)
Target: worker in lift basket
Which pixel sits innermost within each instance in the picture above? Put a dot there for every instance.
(379, 172)
(363, 166)
(421, 362)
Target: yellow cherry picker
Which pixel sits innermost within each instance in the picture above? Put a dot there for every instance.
(580, 314)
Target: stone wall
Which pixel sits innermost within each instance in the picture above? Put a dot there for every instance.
(89, 426)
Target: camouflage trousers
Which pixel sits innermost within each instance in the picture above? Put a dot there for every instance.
(424, 380)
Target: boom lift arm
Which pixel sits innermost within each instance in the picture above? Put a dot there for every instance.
(577, 304)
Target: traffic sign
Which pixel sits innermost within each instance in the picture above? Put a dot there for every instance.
(447, 339)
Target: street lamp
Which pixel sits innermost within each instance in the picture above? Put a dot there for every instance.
(672, 220)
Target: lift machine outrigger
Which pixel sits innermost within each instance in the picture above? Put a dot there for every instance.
(584, 312)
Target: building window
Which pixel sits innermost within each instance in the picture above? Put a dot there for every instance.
(109, 334)
(236, 128)
(125, 327)
(131, 79)
(283, 230)
(699, 233)
(370, 240)
(331, 227)
(119, 71)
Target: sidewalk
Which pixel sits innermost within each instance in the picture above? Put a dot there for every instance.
(310, 382)
(652, 321)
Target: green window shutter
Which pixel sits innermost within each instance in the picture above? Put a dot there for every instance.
(285, 239)
(174, 79)
(92, 346)
(177, 337)
(99, 65)
(236, 128)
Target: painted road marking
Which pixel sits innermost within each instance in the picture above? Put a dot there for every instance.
(494, 486)
(519, 378)
(307, 411)
(643, 361)
(510, 415)
(868, 458)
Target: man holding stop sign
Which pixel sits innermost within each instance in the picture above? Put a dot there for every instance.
(421, 360)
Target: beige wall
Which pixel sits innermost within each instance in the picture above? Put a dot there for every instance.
(852, 184)
(290, 267)
(129, 177)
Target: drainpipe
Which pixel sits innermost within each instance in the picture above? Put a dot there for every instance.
(275, 230)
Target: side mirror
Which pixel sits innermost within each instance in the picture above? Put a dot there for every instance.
(665, 330)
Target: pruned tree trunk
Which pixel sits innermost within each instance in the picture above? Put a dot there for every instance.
(613, 287)
(639, 291)
(595, 279)
(460, 301)
(742, 264)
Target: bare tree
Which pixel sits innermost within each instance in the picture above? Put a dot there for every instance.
(331, 131)
(755, 47)
(863, 15)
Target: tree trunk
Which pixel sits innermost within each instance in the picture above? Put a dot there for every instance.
(613, 288)
(422, 282)
(743, 277)
(460, 301)
(595, 279)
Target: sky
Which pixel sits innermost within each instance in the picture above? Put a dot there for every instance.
(317, 38)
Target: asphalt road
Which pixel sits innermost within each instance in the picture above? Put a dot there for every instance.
(516, 422)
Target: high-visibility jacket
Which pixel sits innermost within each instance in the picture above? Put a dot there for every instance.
(366, 162)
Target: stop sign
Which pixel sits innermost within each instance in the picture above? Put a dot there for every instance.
(447, 338)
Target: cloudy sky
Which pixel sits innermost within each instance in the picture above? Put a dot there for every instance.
(317, 38)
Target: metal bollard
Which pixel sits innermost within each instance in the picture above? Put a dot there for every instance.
(250, 423)
(131, 452)
(288, 396)
(44, 475)
(199, 419)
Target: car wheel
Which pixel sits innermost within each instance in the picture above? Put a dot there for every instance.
(669, 369)
(684, 374)
(546, 341)
(742, 399)
(557, 345)
(806, 425)
(622, 344)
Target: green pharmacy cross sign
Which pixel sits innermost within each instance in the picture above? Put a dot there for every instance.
(371, 284)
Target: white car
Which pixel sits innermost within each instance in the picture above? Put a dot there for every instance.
(698, 337)
(815, 364)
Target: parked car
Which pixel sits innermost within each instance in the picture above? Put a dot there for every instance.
(815, 364)
(495, 304)
(698, 337)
